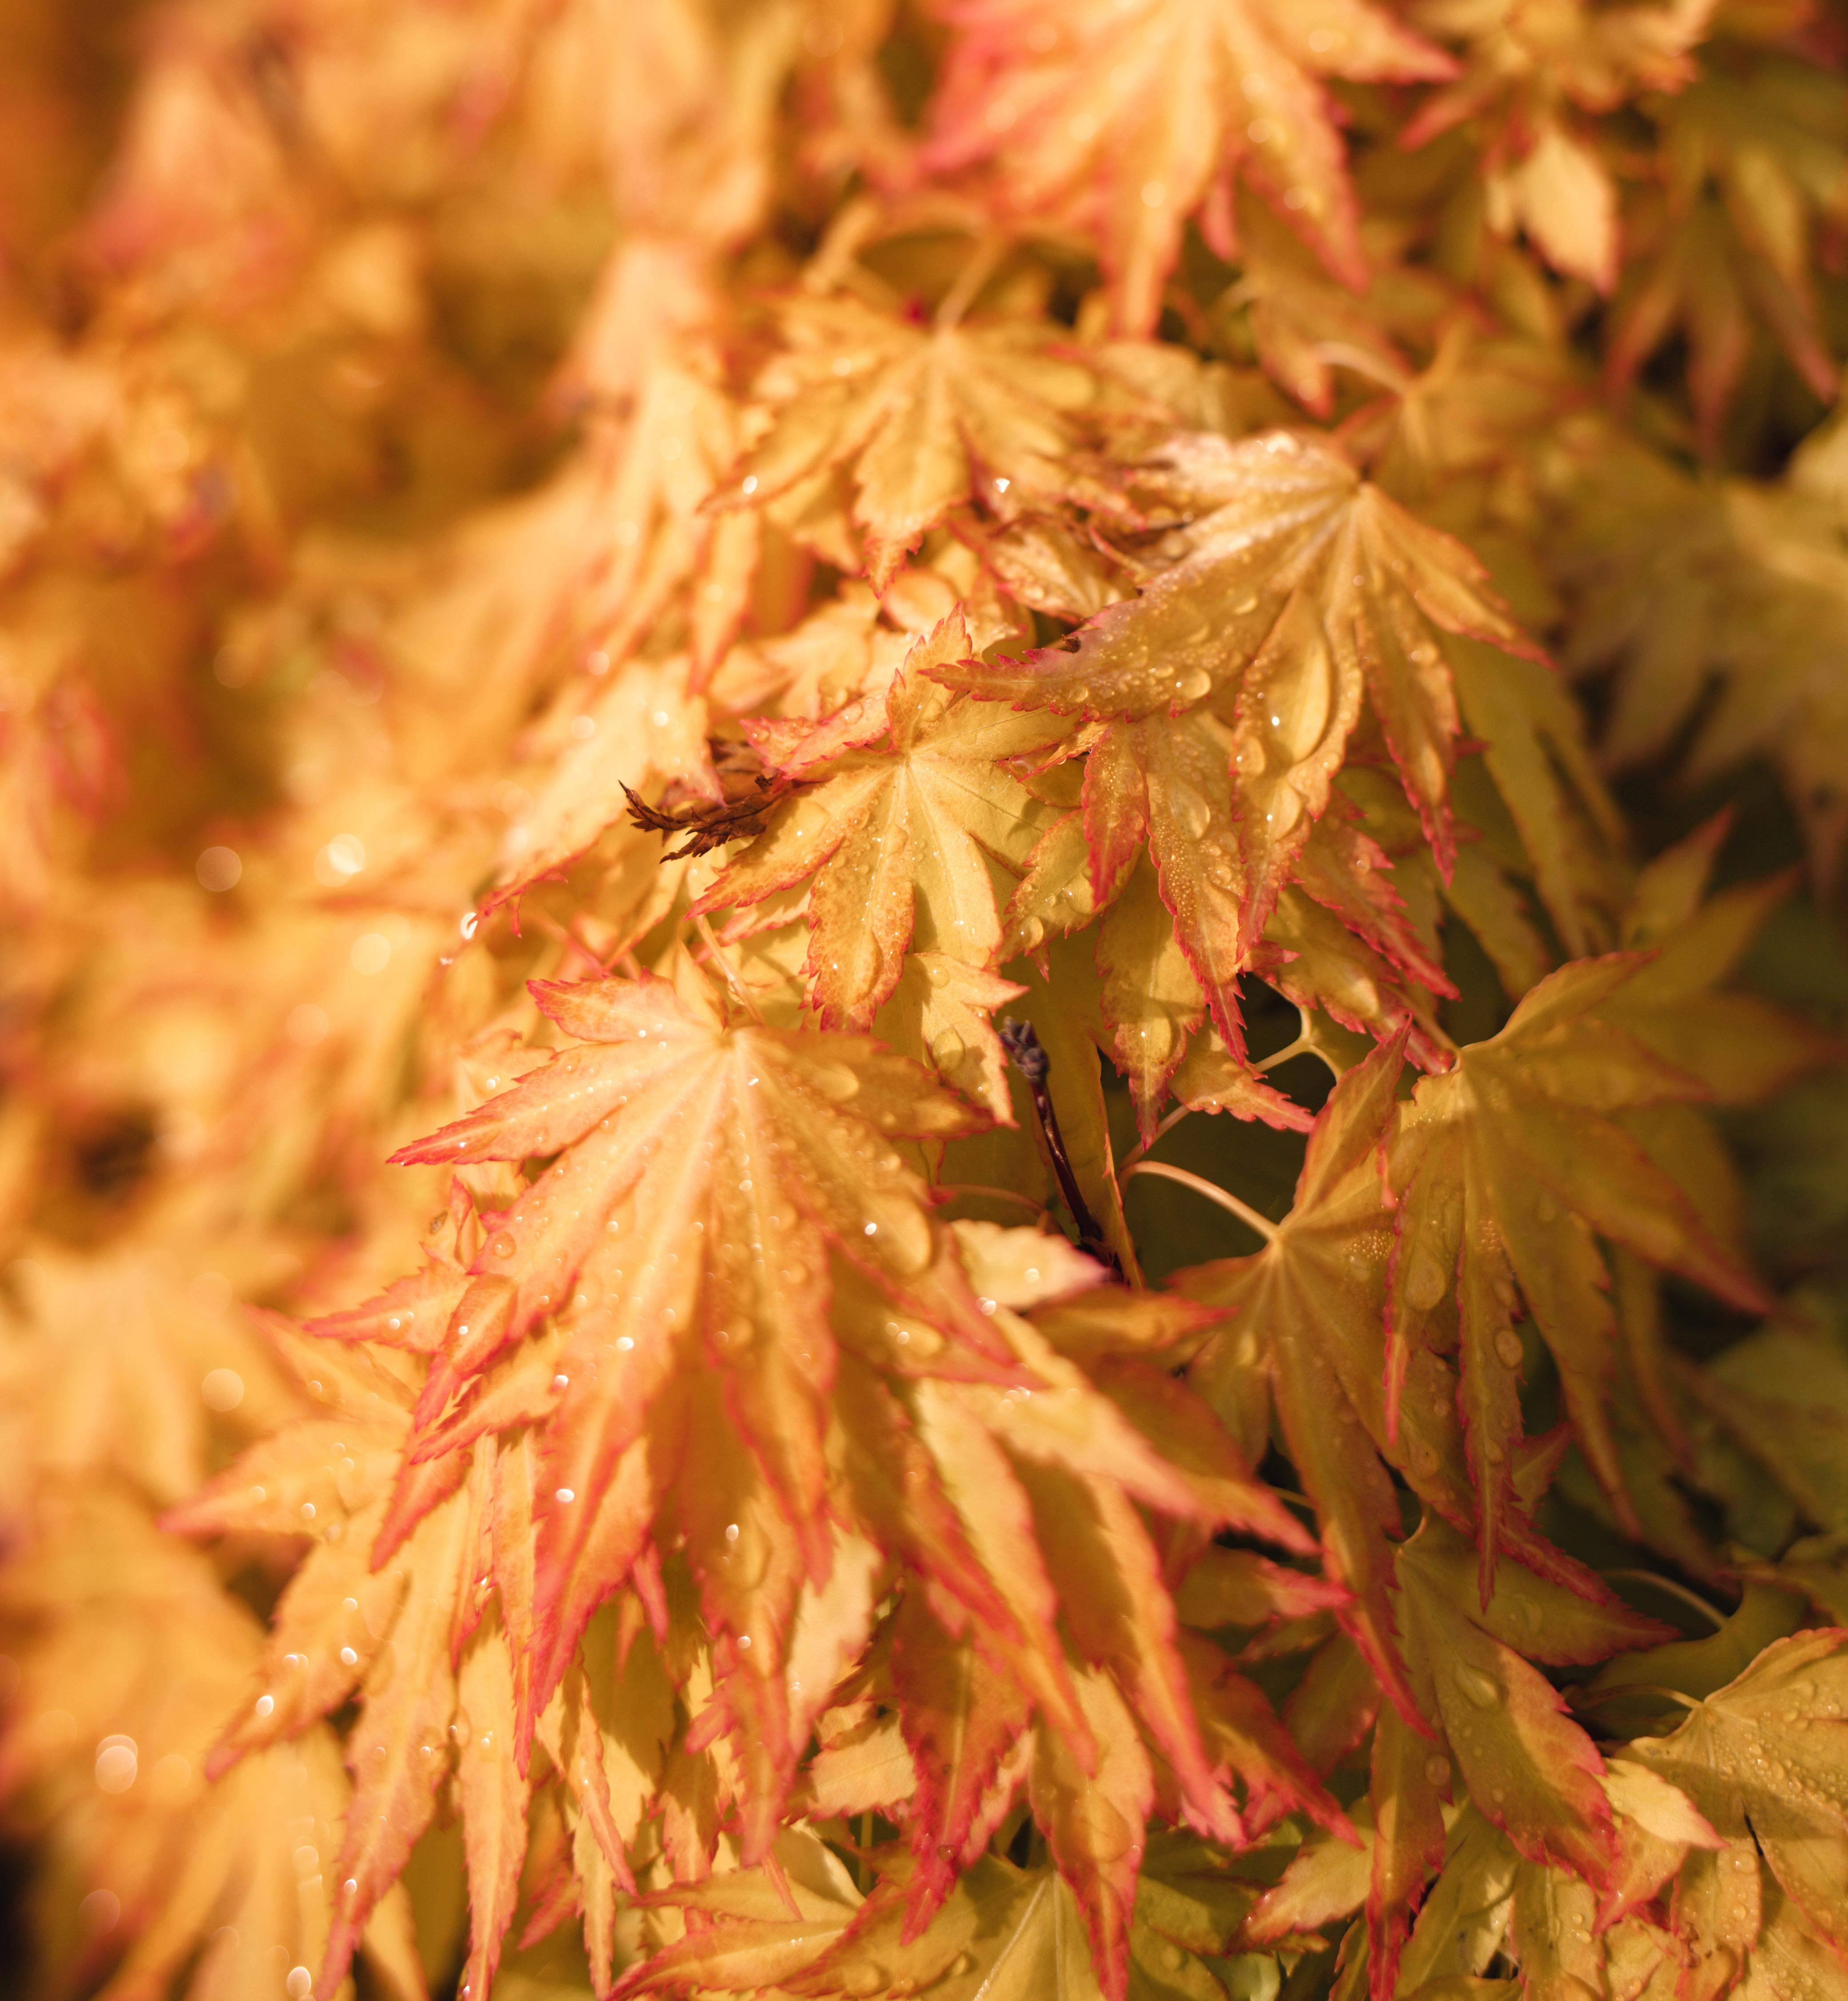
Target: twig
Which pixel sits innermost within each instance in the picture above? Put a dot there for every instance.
(1024, 1050)
(1212, 1191)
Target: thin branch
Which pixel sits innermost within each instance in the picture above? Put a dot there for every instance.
(1214, 1192)
(1035, 1067)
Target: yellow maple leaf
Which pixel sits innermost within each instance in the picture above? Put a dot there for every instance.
(1128, 120)
(1298, 597)
(902, 803)
(929, 418)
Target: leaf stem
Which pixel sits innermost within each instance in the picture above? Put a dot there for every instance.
(1670, 1589)
(1142, 1146)
(741, 993)
(954, 1190)
(1212, 1191)
(983, 259)
(1648, 1691)
(1345, 354)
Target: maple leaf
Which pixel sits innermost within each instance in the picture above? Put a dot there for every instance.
(664, 543)
(1233, 681)
(1504, 1166)
(901, 804)
(942, 1013)
(1740, 1045)
(851, 645)
(1128, 121)
(389, 1605)
(1306, 1336)
(1004, 1931)
(347, 1621)
(927, 417)
(1526, 72)
(128, 1653)
(774, 1184)
(1763, 149)
(114, 1361)
(375, 515)
(1296, 317)
(1738, 564)
(1760, 1759)
(780, 1147)
(1530, 1770)
(644, 726)
(1782, 1394)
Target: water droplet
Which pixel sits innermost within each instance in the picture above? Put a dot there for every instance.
(1425, 1281)
(1508, 1347)
(834, 1081)
(503, 1244)
(1195, 686)
(1194, 814)
(1438, 1771)
(1482, 1689)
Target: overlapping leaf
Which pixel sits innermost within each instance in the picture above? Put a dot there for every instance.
(1129, 120)
(1507, 1168)
(901, 802)
(1299, 598)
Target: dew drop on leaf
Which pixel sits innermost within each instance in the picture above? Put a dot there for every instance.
(1482, 1689)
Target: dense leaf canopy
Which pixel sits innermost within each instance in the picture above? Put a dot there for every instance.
(922, 1070)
